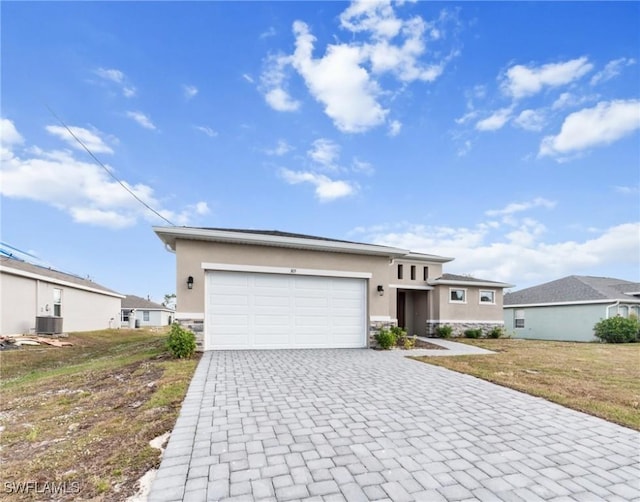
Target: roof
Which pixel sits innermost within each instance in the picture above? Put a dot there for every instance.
(576, 289)
(26, 269)
(137, 302)
(466, 280)
(275, 238)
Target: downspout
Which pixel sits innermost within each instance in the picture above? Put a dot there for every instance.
(610, 306)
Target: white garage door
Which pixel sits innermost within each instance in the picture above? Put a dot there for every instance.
(246, 310)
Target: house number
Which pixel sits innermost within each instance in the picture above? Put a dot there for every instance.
(293, 270)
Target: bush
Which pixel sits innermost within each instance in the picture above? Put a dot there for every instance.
(400, 336)
(618, 330)
(496, 332)
(473, 333)
(385, 338)
(181, 342)
(409, 343)
(444, 331)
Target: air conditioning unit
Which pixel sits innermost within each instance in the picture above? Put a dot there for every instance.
(49, 325)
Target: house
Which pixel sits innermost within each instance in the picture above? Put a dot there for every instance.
(253, 289)
(568, 308)
(39, 299)
(140, 312)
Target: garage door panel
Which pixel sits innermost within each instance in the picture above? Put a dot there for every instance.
(254, 310)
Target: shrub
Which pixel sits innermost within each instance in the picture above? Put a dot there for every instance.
(181, 342)
(473, 333)
(618, 330)
(496, 332)
(400, 336)
(409, 343)
(385, 338)
(444, 331)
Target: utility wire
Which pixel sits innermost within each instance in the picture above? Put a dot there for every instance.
(123, 185)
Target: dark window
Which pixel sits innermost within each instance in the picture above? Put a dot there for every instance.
(145, 315)
(413, 272)
(399, 271)
(425, 273)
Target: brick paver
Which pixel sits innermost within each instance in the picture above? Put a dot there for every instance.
(366, 425)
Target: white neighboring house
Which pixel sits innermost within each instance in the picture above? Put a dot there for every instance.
(139, 312)
(33, 297)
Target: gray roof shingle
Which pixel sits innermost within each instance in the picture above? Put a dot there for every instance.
(137, 302)
(575, 288)
(52, 273)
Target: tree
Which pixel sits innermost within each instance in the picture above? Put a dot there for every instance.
(169, 301)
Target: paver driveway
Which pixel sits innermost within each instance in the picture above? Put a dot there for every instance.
(366, 425)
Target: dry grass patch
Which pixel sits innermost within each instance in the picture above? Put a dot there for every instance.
(83, 416)
(599, 379)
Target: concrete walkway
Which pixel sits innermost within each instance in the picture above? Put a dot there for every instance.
(357, 425)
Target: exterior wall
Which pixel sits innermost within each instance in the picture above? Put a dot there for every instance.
(434, 270)
(563, 322)
(157, 318)
(24, 298)
(191, 254)
(469, 315)
(17, 304)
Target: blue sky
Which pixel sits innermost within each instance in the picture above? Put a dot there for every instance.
(505, 135)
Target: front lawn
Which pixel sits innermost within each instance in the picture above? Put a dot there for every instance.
(599, 379)
(79, 419)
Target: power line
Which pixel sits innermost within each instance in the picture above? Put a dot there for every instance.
(123, 185)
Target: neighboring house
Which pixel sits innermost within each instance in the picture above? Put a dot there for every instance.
(244, 289)
(568, 308)
(60, 301)
(140, 312)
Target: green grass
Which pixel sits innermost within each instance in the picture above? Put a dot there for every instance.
(599, 379)
(86, 413)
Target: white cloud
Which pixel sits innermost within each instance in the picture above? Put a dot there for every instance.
(141, 119)
(464, 149)
(345, 79)
(520, 81)
(360, 166)
(270, 32)
(273, 84)
(248, 78)
(324, 152)
(119, 78)
(531, 120)
(603, 124)
(569, 100)
(9, 135)
(207, 130)
(516, 253)
(495, 121)
(281, 148)
(189, 91)
(611, 70)
(518, 207)
(395, 127)
(83, 190)
(91, 139)
(628, 190)
(326, 189)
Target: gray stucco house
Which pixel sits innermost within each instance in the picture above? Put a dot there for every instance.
(568, 308)
(142, 312)
(255, 289)
(31, 294)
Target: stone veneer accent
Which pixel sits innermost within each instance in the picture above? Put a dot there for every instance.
(376, 326)
(196, 326)
(460, 327)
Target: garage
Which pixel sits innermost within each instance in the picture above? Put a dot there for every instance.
(249, 310)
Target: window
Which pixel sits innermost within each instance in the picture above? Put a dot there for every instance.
(413, 272)
(457, 295)
(518, 319)
(399, 271)
(425, 273)
(487, 296)
(125, 316)
(57, 302)
(145, 315)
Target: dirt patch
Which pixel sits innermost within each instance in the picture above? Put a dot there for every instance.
(84, 428)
